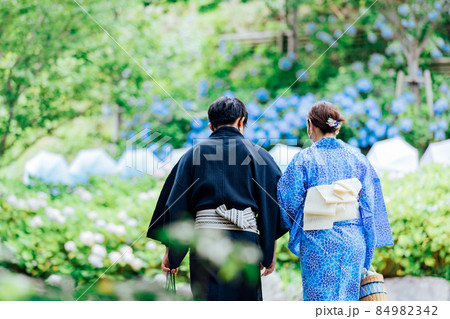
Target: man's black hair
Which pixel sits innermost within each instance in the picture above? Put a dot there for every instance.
(226, 110)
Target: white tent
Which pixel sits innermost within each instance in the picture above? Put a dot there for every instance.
(92, 162)
(283, 154)
(394, 156)
(173, 158)
(49, 167)
(137, 162)
(437, 153)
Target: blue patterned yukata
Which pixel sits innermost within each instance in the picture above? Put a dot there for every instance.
(332, 260)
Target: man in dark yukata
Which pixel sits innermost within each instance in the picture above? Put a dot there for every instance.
(224, 184)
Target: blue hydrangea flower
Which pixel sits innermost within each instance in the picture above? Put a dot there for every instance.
(432, 127)
(285, 63)
(350, 30)
(353, 123)
(380, 130)
(203, 87)
(363, 142)
(399, 59)
(270, 113)
(364, 85)
(253, 110)
(370, 104)
(375, 114)
(197, 124)
(393, 131)
(160, 108)
(337, 33)
(283, 127)
(351, 91)
(406, 124)
(311, 27)
(362, 134)
(325, 37)
(280, 103)
(188, 105)
(353, 142)
(398, 106)
(131, 134)
(192, 136)
(440, 106)
(408, 23)
(262, 94)
(403, 9)
(358, 107)
(386, 32)
(433, 15)
(436, 53)
(372, 139)
(439, 135)
(372, 38)
(293, 100)
(442, 124)
(302, 75)
(371, 124)
(409, 97)
(229, 94)
(357, 66)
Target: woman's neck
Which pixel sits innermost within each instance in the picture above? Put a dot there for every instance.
(333, 135)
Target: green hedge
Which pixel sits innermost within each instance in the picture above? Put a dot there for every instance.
(419, 213)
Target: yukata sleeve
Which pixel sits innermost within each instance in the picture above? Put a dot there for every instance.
(291, 192)
(160, 219)
(372, 204)
(373, 212)
(179, 210)
(269, 218)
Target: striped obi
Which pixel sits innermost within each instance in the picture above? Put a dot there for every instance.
(227, 219)
(326, 204)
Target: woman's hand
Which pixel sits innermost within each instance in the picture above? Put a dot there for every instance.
(165, 265)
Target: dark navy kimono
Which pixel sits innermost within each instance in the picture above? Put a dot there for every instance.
(224, 169)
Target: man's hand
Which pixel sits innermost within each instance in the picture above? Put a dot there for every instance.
(165, 265)
(271, 268)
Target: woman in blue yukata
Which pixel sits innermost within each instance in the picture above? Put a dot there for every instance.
(332, 203)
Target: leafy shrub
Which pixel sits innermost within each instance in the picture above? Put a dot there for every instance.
(80, 232)
(419, 213)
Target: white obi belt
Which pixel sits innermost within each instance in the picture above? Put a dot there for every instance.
(326, 204)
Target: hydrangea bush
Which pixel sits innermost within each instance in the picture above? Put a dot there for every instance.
(82, 231)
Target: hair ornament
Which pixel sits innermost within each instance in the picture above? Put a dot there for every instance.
(332, 122)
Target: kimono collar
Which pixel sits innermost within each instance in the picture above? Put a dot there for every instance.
(328, 142)
(226, 131)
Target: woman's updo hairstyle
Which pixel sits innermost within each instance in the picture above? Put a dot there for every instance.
(325, 116)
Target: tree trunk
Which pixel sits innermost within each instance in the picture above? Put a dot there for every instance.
(413, 73)
(292, 18)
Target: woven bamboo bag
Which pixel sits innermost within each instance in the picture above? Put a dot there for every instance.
(372, 287)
